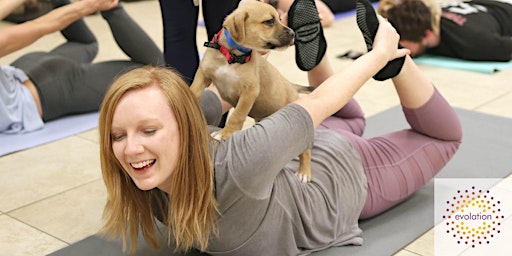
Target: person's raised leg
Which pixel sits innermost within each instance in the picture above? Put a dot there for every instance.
(398, 164)
(302, 15)
(81, 45)
(131, 38)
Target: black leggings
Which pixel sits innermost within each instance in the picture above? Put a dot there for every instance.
(67, 81)
(180, 27)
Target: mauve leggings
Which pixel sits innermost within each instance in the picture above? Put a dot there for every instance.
(399, 163)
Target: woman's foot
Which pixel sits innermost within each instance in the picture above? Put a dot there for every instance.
(310, 44)
(368, 24)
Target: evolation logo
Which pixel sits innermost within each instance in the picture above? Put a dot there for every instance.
(473, 217)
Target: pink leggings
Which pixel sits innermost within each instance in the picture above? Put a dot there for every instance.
(399, 163)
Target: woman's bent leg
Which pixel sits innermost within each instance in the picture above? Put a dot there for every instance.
(398, 164)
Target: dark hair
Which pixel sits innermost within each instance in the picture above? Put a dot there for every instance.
(411, 18)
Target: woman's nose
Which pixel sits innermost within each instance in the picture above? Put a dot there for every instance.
(133, 146)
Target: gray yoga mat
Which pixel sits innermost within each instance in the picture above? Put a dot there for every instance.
(485, 153)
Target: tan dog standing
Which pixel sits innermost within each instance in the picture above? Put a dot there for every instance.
(249, 83)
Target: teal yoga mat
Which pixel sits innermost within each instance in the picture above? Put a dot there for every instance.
(487, 67)
(484, 153)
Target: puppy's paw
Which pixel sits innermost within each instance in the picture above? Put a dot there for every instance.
(304, 171)
(222, 134)
(216, 136)
(304, 178)
(304, 174)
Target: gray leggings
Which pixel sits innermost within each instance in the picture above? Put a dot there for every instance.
(399, 163)
(66, 79)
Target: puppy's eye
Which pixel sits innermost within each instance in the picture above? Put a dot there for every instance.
(269, 22)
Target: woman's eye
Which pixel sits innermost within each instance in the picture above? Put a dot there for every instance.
(117, 137)
(149, 132)
(269, 22)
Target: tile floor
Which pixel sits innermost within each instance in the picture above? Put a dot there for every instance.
(53, 195)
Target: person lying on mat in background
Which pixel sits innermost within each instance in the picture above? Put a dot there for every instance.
(241, 196)
(326, 8)
(479, 30)
(43, 86)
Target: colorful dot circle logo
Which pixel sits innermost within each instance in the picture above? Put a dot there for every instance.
(473, 217)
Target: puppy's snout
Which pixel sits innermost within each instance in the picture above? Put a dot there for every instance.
(288, 36)
(290, 32)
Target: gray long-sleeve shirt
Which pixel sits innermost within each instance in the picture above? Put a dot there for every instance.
(265, 209)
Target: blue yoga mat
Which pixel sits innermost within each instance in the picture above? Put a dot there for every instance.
(488, 67)
(51, 131)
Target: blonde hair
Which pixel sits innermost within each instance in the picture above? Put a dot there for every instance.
(192, 212)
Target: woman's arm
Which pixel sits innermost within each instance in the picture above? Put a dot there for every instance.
(338, 89)
(16, 37)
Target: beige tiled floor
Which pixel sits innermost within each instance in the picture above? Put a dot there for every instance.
(53, 195)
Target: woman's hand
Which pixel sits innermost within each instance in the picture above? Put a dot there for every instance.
(386, 41)
(105, 5)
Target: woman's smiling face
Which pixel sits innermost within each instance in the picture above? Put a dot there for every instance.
(145, 137)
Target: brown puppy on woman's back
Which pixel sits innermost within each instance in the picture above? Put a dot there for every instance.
(243, 77)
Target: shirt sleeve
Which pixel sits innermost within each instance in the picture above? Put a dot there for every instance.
(254, 156)
(212, 107)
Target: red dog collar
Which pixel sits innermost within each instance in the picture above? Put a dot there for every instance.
(230, 57)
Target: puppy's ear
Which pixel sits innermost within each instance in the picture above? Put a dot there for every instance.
(235, 24)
